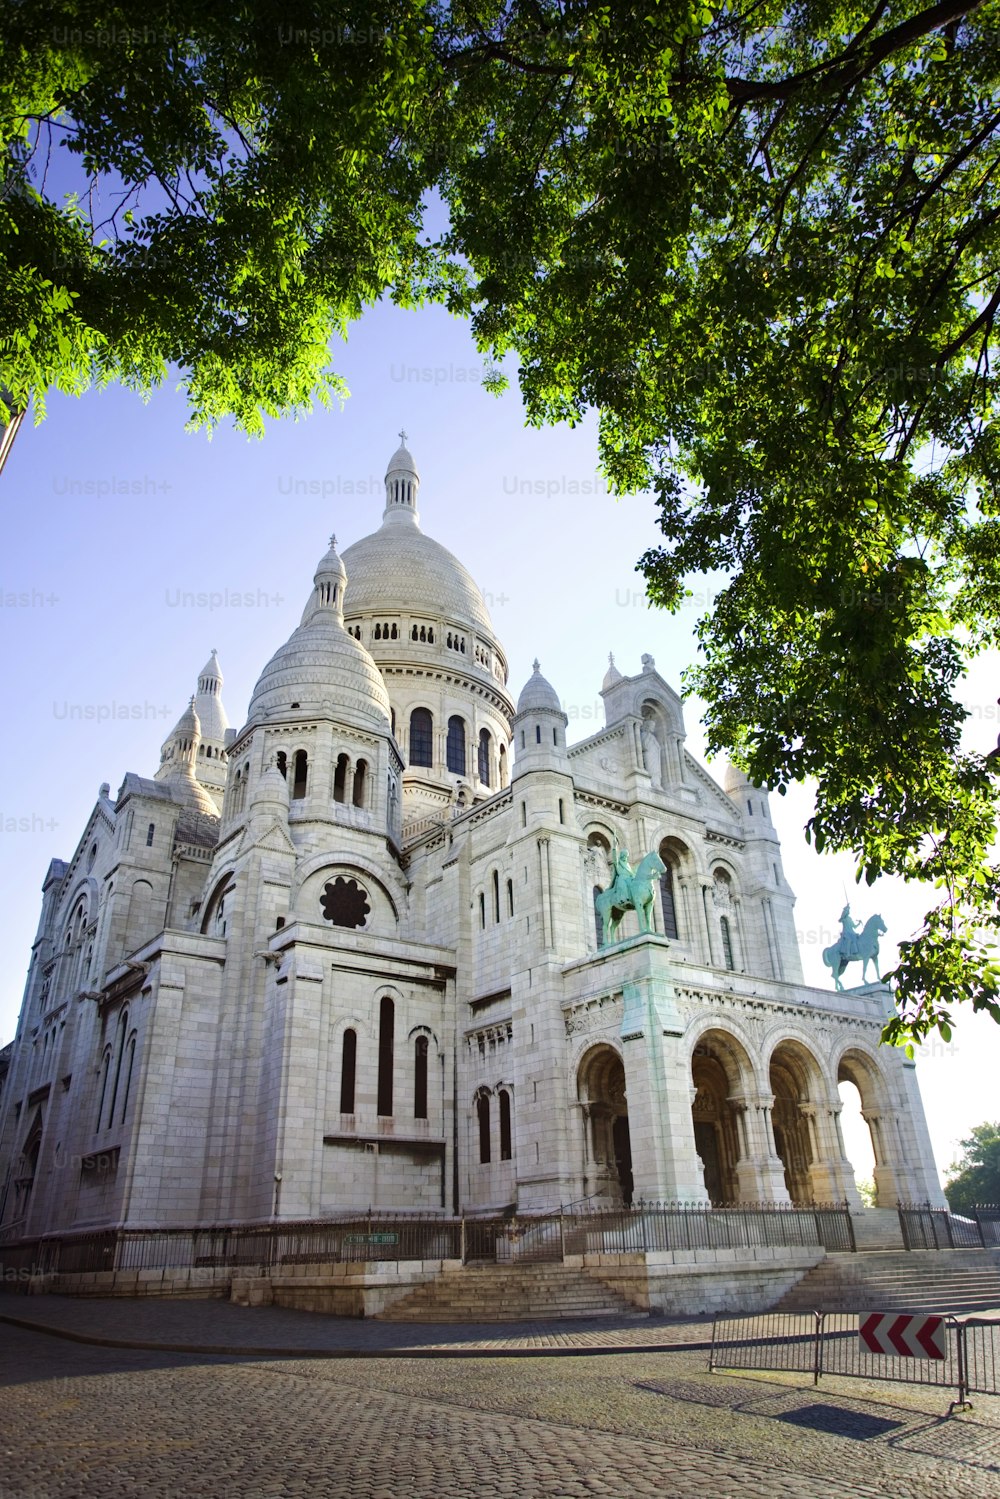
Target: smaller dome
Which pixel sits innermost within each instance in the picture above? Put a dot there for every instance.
(210, 677)
(189, 724)
(401, 461)
(538, 695)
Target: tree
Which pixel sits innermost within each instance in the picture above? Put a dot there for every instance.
(764, 242)
(975, 1179)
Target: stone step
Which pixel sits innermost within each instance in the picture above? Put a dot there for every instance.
(503, 1294)
(928, 1281)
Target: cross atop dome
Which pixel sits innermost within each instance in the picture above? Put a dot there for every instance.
(402, 437)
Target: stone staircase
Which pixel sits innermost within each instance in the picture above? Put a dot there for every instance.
(510, 1293)
(934, 1280)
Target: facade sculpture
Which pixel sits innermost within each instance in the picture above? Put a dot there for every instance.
(366, 950)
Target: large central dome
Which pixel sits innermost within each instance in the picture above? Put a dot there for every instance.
(398, 567)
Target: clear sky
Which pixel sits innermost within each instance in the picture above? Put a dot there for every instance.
(131, 548)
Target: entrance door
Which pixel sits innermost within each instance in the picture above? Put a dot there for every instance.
(706, 1143)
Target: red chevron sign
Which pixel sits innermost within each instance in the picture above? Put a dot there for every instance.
(902, 1335)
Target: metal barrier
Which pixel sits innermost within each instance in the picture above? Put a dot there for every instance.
(924, 1227)
(819, 1343)
(264, 1247)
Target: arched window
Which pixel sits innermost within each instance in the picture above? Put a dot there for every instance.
(129, 1063)
(456, 745)
(483, 1112)
(340, 779)
(504, 773)
(420, 1078)
(505, 1144)
(150, 831)
(598, 923)
(727, 942)
(482, 910)
(386, 1025)
(668, 902)
(538, 733)
(510, 897)
(282, 763)
(421, 737)
(105, 1072)
(360, 783)
(348, 1071)
(122, 1029)
(496, 896)
(484, 756)
(301, 774)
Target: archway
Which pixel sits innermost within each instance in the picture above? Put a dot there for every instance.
(866, 1130)
(716, 1135)
(791, 1073)
(608, 1146)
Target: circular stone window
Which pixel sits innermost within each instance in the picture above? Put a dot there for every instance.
(344, 903)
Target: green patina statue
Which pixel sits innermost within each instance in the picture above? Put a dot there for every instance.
(630, 890)
(854, 946)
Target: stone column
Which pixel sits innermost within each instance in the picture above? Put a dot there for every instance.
(665, 1164)
(761, 1174)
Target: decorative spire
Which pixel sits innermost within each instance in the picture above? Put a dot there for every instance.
(402, 484)
(612, 675)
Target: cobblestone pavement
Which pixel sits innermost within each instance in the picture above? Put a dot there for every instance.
(80, 1420)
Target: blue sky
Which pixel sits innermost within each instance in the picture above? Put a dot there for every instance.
(131, 548)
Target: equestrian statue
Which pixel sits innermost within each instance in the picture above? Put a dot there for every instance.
(854, 946)
(630, 890)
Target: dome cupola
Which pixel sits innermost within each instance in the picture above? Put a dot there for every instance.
(402, 485)
(321, 666)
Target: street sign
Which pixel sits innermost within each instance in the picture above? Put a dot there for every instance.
(371, 1238)
(903, 1335)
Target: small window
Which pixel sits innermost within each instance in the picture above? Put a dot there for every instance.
(150, 831)
(301, 774)
(456, 746)
(420, 1078)
(421, 737)
(505, 1141)
(750, 808)
(496, 897)
(348, 1071)
(510, 897)
(598, 924)
(482, 910)
(483, 1112)
(538, 733)
(562, 815)
(340, 779)
(386, 1025)
(668, 902)
(484, 756)
(727, 942)
(360, 783)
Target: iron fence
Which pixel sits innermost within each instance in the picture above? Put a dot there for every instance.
(819, 1343)
(264, 1247)
(925, 1227)
(667, 1226)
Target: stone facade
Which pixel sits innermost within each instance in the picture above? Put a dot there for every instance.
(347, 956)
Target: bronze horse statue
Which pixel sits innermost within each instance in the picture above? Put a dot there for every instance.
(864, 949)
(637, 896)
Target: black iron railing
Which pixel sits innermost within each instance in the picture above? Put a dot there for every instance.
(925, 1227)
(262, 1248)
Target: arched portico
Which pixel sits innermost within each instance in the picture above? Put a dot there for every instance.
(732, 1123)
(607, 1145)
(890, 1174)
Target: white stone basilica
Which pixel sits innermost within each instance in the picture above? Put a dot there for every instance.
(347, 955)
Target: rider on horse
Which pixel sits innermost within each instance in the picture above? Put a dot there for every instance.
(848, 934)
(620, 887)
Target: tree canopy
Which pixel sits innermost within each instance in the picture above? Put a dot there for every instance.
(761, 240)
(975, 1181)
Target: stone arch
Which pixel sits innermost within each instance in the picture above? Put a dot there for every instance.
(878, 1110)
(799, 1088)
(676, 914)
(308, 883)
(220, 890)
(600, 1086)
(722, 1079)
